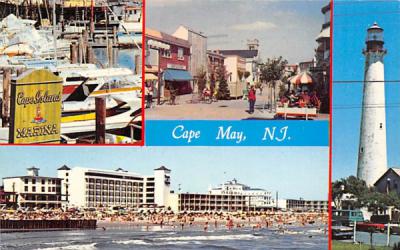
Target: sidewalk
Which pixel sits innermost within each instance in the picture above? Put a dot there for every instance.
(220, 110)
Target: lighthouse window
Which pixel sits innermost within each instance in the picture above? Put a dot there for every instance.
(362, 150)
(380, 125)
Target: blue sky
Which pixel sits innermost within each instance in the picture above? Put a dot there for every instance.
(286, 28)
(351, 20)
(293, 171)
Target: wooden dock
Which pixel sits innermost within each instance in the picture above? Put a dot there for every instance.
(9, 226)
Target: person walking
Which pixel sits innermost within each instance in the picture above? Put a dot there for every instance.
(252, 99)
(148, 95)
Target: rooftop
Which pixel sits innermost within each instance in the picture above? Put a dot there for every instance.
(64, 167)
(242, 53)
(167, 38)
(162, 168)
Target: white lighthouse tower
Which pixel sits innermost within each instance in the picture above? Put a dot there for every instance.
(372, 158)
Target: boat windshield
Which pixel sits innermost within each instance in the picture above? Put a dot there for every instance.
(119, 82)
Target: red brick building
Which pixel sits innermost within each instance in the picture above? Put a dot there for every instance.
(168, 58)
(7, 199)
(215, 65)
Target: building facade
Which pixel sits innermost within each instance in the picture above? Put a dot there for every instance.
(389, 181)
(7, 199)
(168, 58)
(251, 58)
(84, 187)
(321, 69)
(198, 49)
(216, 65)
(33, 190)
(235, 68)
(256, 197)
(235, 74)
(229, 197)
(306, 205)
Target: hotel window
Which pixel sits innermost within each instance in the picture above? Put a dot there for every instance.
(26, 181)
(43, 190)
(33, 189)
(43, 182)
(26, 188)
(33, 181)
(166, 53)
(180, 54)
(49, 189)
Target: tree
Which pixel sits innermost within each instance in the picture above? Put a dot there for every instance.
(273, 71)
(223, 89)
(360, 195)
(352, 186)
(201, 79)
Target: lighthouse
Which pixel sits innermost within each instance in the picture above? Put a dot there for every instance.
(372, 157)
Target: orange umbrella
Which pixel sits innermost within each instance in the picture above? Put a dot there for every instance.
(301, 78)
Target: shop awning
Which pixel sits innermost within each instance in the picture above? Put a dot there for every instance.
(176, 75)
(150, 77)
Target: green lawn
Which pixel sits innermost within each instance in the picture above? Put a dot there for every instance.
(338, 245)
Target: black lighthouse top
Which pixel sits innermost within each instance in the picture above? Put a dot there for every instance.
(374, 39)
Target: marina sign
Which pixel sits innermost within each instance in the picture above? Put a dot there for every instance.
(36, 98)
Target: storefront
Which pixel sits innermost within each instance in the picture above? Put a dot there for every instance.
(177, 80)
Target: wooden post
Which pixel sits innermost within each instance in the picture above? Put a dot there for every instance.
(85, 37)
(89, 54)
(6, 97)
(137, 64)
(115, 34)
(110, 54)
(100, 120)
(80, 50)
(74, 53)
(19, 71)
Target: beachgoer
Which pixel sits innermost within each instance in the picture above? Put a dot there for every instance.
(206, 226)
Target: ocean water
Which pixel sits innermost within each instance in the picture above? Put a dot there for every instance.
(308, 237)
(122, 57)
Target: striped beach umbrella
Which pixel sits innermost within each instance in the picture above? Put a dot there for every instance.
(301, 78)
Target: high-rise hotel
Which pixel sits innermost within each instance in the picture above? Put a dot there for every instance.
(85, 187)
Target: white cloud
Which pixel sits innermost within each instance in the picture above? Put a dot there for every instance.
(257, 25)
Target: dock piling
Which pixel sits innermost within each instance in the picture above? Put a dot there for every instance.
(6, 97)
(74, 53)
(100, 120)
(137, 64)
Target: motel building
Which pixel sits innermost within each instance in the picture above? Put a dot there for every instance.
(302, 205)
(229, 197)
(33, 190)
(95, 188)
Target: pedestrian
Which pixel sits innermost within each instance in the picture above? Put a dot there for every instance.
(149, 95)
(252, 99)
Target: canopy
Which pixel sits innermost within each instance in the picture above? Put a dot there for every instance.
(301, 78)
(177, 75)
(150, 77)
